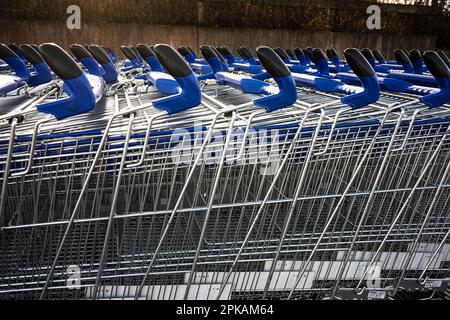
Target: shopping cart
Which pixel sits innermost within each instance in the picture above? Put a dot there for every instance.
(224, 191)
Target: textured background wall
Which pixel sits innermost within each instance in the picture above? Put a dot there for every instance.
(321, 23)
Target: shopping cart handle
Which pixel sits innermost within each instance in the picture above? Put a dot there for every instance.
(369, 56)
(247, 54)
(86, 59)
(282, 54)
(301, 56)
(403, 59)
(221, 58)
(321, 62)
(149, 57)
(417, 61)
(15, 48)
(444, 57)
(187, 54)
(43, 73)
(14, 62)
(99, 54)
(213, 59)
(309, 53)
(35, 47)
(190, 93)
(192, 52)
(80, 98)
(362, 68)
(287, 93)
(291, 54)
(334, 58)
(441, 72)
(131, 56)
(377, 54)
(110, 53)
(136, 53)
(227, 54)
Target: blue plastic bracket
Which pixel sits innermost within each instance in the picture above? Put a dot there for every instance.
(91, 65)
(19, 67)
(43, 75)
(154, 64)
(369, 94)
(81, 99)
(322, 66)
(441, 97)
(286, 96)
(190, 96)
(418, 66)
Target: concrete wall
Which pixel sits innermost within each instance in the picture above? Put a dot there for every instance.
(321, 23)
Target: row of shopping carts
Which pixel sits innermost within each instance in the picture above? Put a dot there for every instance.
(275, 174)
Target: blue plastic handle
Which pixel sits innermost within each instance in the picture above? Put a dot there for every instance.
(80, 99)
(92, 66)
(322, 66)
(418, 66)
(190, 96)
(43, 75)
(19, 67)
(110, 74)
(370, 94)
(286, 96)
(154, 64)
(441, 97)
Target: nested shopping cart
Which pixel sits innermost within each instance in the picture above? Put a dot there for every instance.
(232, 197)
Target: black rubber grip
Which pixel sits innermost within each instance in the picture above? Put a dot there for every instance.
(401, 57)
(190, 50)
(208, 52)
(145, 51)
(220, 50)
(172, 61)
(35, 47)
(106, 49)
(334, 53)
(298, 53)
(415, 55)
(128, 53)
(309, 53)
(367, 54)
(377, 54)
(272, 62)
(226, 51)
(80, 52)
(358, 63)
(239, 51)
(329, 54)
(246, 52)
(31, 55)
(444, 57)
(135, 51)
(290, 52)
(60, 62)
(219, 55)
(281, 53)
(13, 47)
(184, 51)
(251, 51)
(6, 52)
(318, 55)
(99, 54)
(434, 63)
